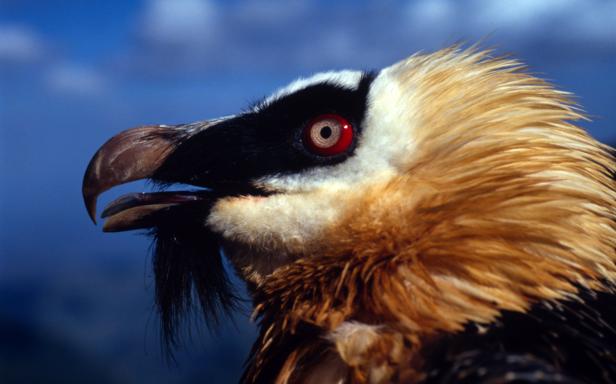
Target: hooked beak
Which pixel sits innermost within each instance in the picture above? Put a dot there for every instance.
(133, 155)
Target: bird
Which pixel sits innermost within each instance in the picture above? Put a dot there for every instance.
(441, 220)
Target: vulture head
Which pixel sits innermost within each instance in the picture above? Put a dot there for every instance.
(377, 217)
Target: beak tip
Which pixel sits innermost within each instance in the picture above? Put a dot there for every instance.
(131, 155)
(90, 202)
(91, 207)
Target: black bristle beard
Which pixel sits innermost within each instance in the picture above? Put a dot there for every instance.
(189, 273)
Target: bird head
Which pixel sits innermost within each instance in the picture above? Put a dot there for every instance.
(438, 191)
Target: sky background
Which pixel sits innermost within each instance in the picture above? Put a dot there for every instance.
(75, 303)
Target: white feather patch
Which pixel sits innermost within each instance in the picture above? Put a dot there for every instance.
(289, 223)
(345, 79)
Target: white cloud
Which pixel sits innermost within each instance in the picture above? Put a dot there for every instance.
(597, 22)
(19, 44)
(179, 21)
(433, 12)
(518, 13)
(271, 12)
(75, 79)
(563, 21)
(180, 36)
(433, 23)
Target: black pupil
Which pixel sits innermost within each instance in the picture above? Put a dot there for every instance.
(326, 132)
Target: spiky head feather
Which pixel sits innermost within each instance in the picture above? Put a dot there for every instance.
(503, 202)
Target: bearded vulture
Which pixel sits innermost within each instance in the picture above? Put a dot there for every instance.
(442, 220)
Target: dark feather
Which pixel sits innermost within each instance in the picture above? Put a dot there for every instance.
(567, 342)
(189, 273)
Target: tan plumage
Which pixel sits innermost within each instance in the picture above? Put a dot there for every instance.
(505, 204)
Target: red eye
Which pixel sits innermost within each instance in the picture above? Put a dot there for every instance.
(328, 135)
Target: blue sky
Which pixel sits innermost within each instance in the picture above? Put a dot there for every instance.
(73, 73)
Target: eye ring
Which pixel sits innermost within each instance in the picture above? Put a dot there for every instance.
(328, 135)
